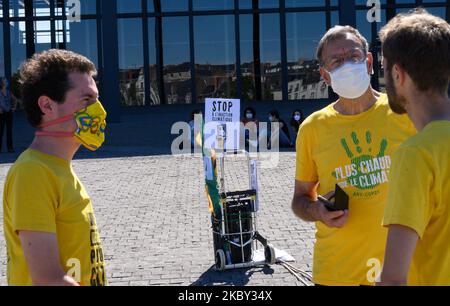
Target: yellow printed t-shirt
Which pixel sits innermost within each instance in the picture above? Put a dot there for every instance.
(43, 194)
(419, 198)
(354, 152)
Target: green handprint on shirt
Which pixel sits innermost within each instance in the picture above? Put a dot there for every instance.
(360, 157)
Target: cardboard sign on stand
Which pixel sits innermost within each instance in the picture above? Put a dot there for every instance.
(222, 124)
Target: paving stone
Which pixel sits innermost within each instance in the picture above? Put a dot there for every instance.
(155, 226)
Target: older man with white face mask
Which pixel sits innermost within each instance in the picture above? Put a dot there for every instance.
(348, 143)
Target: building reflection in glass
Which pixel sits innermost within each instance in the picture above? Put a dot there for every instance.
(131, 62)
(303, 33)
(177, 67)
(215, 54)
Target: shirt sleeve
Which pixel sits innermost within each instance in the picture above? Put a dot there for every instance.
(33, 199)
(306, 169)
(410, 197)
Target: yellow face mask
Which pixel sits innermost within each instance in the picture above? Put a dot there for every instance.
(91, 123)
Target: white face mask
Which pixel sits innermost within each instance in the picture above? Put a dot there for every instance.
(249, 116)
(297, 118)
(351, 80)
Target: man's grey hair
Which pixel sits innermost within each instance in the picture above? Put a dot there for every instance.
(338, 32)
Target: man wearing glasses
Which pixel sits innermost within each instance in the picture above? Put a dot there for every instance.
(349, 143)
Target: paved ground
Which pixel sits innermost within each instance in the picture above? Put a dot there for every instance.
(154, 221)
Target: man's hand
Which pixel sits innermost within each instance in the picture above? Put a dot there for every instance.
(335, 219)
(307, 208)
(42, 256)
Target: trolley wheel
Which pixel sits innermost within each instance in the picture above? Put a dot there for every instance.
(220, 260)
(269, 254)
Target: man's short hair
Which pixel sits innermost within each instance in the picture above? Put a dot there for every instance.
(47, 74)
(339, 32)
(420, 43)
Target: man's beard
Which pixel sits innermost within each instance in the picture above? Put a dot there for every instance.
(396, 102)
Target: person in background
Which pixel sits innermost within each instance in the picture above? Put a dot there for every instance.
(296, 120)
(7, 108)
(249, 116)
(251, 127)
(283, 130)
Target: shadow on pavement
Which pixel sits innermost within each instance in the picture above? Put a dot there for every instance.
(236, 277)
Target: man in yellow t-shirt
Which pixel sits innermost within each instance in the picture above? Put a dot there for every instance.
(348, 143)
(49, 224)
(418, 206)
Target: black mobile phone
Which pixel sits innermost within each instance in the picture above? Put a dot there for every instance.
(340, 200)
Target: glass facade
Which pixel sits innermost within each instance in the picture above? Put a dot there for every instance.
(18, 45)
(247, 60)
(82, 38)
(303, 31)
(215, 54)
(39, 25)
(131, 62)
(369, 31)
(129, 6)
(2, 56)
(270, 54)
(174, 5)
(153, 70)
(184, 51)
(177, 72)
(205, 5)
